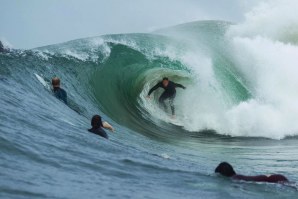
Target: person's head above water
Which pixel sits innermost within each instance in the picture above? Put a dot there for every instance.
(56, 82)
(165, 81)
(225, 169)
(96, 121)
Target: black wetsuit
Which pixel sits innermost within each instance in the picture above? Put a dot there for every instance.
(60, 94)
(169, 93)
(99, 131)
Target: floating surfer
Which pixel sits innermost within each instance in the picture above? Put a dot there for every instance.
(98, 125)
(169, 93)
(227, 170)
(59, 92)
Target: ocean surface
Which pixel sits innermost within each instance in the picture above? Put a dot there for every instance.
(240, 106)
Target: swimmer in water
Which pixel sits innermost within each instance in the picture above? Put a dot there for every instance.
(227, 170)
(98, 125)
(169, 93)
(59, 92)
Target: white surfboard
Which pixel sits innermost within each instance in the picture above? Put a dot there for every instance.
(42, 81)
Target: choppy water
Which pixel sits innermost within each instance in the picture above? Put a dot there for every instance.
(239, 106)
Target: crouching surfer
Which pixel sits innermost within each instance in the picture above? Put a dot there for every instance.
(169, 93)
(98, 125)
(227, 170)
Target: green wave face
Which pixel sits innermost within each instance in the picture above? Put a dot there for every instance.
(112, 74)
(138, 61)
(115, 73)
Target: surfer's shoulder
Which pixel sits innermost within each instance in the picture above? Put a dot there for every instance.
(63, 91)
(99, 131)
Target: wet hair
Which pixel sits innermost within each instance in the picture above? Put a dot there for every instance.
(165, 78)
(56, 82)
(225, 169)
(96, 121)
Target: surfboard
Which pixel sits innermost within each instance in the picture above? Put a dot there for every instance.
(175, 121)
(42, 81)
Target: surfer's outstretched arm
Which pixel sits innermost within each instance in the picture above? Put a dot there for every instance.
(108, 126)
(180, 86)
(159, 84)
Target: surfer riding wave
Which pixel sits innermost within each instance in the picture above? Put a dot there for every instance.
(169, 93)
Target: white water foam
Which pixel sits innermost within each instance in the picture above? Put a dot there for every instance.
(265, 53)
(274, 19)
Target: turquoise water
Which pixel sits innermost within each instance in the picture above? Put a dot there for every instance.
(46, 151)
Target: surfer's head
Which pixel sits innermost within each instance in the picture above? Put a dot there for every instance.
(165, 81)
(225, 169)
(56, 82)
(96, 121)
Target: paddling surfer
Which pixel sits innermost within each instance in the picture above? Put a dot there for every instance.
(227, 170)
(59, 92)
(98, 125)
